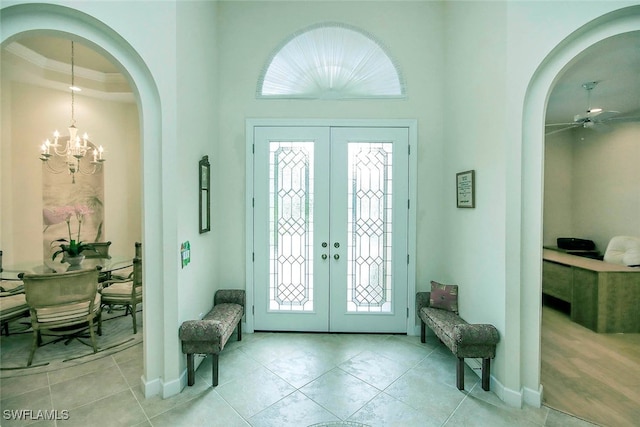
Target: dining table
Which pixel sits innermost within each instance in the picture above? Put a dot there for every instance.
(107, 266)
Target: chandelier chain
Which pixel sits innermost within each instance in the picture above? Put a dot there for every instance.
(73, 86)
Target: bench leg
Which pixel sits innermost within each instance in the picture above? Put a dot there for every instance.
(191, 376)
(486, 371)
(240, 330)
(423, 332)
(214, 370)
(460, 373)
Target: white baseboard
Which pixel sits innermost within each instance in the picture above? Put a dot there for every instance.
(533, 397)
(171, 388)
(508, 396)
(150, 388)
(511, 397)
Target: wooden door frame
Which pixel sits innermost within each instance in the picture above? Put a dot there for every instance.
(410, 124)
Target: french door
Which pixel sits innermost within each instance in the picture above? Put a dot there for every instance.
(330, 209)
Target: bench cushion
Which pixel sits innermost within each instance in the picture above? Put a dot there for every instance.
(441, 322)
(209, 335)
(462, 338)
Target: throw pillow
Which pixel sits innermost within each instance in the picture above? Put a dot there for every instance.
(444, 297)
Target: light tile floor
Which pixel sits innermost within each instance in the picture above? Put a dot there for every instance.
(279, 379)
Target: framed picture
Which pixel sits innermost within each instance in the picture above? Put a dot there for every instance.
(204, 187)
(466, 189)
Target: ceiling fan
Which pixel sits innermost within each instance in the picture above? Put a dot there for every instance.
(593, 118)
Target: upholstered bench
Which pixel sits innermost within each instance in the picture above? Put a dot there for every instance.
(439, 312)
(209, 335)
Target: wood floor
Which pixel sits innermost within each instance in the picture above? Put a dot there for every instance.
(593, 376)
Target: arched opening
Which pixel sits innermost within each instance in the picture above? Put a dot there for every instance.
(16, 21)
(532, 175)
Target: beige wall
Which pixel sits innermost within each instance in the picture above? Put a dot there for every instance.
(34, 113)
(591, 184)
(558, 187)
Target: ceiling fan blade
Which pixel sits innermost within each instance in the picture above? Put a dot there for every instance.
(571, 126)
(560, 124)
(604, 115)
(624, 119)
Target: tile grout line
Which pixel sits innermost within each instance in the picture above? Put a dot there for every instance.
(55, 422)
(131, 389)
(466, 395)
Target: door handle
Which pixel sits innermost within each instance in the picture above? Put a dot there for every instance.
(324, 256)
(336, 257)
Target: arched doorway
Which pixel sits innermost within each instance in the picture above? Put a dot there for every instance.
(532, 162)
(38, 18)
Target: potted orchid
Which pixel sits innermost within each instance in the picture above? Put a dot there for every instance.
(71, 248)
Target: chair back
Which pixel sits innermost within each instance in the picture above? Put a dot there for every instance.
(136, 289)
(61, 298)
(101, 250)
(138, 250)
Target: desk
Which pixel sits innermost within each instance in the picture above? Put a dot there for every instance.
(109, 265)
(604, 297)
(580, 252)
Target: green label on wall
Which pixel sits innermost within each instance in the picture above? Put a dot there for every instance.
(185, 253)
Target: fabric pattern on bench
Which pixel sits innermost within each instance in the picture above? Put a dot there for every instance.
(209, 335)
(463, 339)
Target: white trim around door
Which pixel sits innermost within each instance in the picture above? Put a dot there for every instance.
(403, 308)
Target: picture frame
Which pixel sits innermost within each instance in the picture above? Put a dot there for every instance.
(204, 188)
(466, 189)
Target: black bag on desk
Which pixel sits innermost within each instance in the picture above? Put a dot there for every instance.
(575, 244)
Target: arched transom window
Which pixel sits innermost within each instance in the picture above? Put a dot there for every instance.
(330, 61)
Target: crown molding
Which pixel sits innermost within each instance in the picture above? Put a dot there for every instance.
(32, 67)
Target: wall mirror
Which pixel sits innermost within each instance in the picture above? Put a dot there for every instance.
(205, 194)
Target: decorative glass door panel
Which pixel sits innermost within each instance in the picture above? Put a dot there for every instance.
(326, 257)
(369, 214)
(291, 226)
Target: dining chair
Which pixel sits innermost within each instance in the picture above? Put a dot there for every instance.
(63, 304)
(101, 250)
(125, 292)
(13, 304)
(127, 273)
